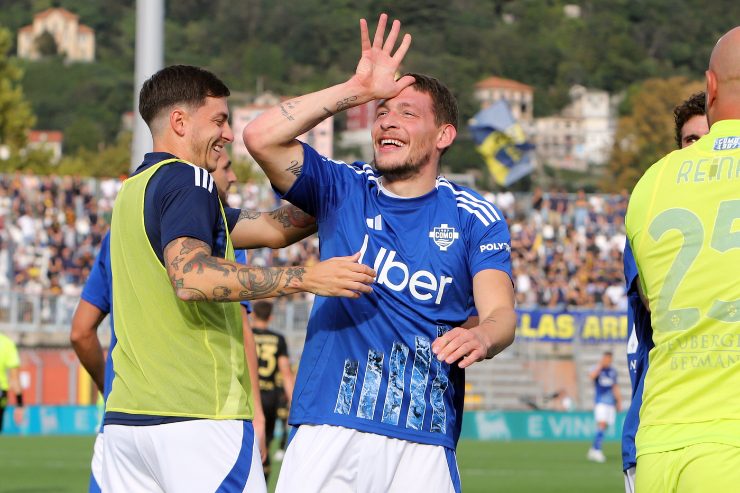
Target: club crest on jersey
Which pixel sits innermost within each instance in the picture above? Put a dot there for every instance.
(444, 236)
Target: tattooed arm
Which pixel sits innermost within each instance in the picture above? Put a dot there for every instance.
(196, 275)
(270, 138)
(494, 300)
(276, 229)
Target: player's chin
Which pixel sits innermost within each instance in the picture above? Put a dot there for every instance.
(387, 164)
(211, 163)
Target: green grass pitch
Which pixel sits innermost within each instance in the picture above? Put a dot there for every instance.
(61, 464)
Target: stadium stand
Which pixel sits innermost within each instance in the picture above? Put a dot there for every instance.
(566, 255)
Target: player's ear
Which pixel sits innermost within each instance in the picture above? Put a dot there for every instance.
(178, 118)
(711, 90)
(446, 136)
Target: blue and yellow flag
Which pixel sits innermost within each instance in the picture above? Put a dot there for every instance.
(502, 143)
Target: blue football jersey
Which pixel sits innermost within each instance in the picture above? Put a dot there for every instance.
(367, 363)
(603, 383)
(97, 291)
(638, 348)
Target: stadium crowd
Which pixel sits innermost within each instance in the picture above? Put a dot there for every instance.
(566, 248)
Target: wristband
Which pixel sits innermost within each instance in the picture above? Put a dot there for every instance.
(19, 400)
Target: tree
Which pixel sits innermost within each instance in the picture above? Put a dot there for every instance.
(45, 44)
(16, 118)
(646, 133)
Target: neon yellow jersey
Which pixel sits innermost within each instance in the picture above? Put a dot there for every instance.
(683, 223)
(8, 359)
(173, 358)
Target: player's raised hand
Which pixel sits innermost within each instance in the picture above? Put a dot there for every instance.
(376, 71)
(466, 345)
(339, 276)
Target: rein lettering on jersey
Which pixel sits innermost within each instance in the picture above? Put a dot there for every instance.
(422, 285)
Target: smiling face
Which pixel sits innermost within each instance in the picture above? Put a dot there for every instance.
(405, 135)
(208, 132)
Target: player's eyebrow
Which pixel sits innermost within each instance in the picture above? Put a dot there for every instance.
(403, 104)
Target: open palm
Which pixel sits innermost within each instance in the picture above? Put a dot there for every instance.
(376, 71)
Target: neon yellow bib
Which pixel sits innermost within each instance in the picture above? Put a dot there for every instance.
(683, 223)
(173, 358)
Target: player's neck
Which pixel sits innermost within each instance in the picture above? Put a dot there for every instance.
(415, 186)
(176, 148)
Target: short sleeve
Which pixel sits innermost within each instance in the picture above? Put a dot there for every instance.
(282, 347)
(184, 204)
(232, 217)
(181, 216)
(98, 286)
(322, 184)
(490, 244)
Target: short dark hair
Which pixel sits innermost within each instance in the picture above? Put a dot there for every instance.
(262, 310)
(178, 84)
(444, 104)
(695, 105)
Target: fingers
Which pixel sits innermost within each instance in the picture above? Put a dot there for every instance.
(404, 82)
(364, 35)
(401, 51)
(355, 266)
(380, 32)
(458, 344)
(361, 287)
(390, 41)
(354, 257)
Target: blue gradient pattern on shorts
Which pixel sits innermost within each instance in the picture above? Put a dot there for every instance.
(394, 392)
(419, 378)
(347, 387)
(371, 384)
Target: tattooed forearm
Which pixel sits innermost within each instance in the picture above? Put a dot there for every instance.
(203, 277)
(221, 293)
(286, 113)
(192, 294)
(294, 273)
(245, 214)
(281, 215)
(295, 168)
(291, 216)
(345, 103)
(191, 244)
(201, 261)
(259, 282)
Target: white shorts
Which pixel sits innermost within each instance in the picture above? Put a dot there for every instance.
(605, 413)
(96, 466)
(324, 458)
(200, 455)
(629, 480)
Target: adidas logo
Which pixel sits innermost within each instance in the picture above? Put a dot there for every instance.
(375, 223)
